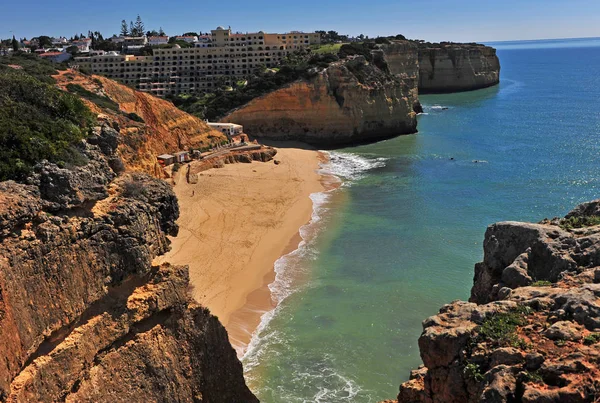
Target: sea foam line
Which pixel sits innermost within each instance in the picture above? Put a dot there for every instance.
(346, 168)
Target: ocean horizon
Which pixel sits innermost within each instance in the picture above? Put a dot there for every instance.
(400, 237)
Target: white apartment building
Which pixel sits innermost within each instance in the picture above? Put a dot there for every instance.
(225, 56)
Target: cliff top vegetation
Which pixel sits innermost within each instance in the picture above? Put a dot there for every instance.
(37, 120)
(303, 63)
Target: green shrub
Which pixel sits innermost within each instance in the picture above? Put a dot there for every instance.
(500, 328)
(472, 371)
(579, 222)
(591, 338)
(37, 122)
(533, 376)
(32, 65)
(542, 283)
(134, 190)
(100, 100)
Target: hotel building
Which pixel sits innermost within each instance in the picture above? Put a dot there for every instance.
(222, 56)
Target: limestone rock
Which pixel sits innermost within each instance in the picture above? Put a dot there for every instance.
(452, 67)
(544, 348)
(564, 330)
(83, 314)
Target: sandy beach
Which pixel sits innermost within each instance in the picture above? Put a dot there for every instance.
(234, 224)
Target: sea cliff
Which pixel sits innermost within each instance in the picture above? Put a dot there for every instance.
(455, 67)
(84, 315)
(351, 101)
(367, 97)
(531, 331)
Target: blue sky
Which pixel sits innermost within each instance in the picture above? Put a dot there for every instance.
(433, 20)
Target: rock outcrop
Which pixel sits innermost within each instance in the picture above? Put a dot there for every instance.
(84, 316)
(531, 331)
(455, 67)
(351, 101)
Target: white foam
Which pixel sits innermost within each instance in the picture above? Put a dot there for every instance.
(346, 166)
(286, 268)
(350, 167)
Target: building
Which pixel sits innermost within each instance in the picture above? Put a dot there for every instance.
(182, 156)
(166, 159)
(82, 44)
(158, 40)
(128, 69)
(222, 55)
(188, 39)
(56, 57)
(135, 41)
(60, 42)
(228, 129)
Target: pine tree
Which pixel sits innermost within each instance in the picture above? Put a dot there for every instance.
(161, 32)
(15, 44)
(124, 29)
(139, 26)
(132, 29)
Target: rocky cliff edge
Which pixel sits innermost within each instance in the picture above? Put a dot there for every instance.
(454, 67)
(531, 331)
(351, 101)
(84, 316)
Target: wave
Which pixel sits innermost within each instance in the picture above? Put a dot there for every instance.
(350, 167)
(436, 107)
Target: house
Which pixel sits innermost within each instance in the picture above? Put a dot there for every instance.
(158, 40)
(117, 39)
(135, 41)
(60, 42)
(182, 156)
(56, 57)
(166, 159)
(82, 44)
(228, 129)
(188, 39)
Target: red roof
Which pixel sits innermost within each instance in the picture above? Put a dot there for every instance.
(51, 54)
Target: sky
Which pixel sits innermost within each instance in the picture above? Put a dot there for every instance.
(431, 20)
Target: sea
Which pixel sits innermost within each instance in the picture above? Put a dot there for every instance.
(399, 238)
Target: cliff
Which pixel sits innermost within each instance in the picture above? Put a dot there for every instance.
(531, 331)
(148, 126)
(454, 67)
(351, 101)
(84, 316)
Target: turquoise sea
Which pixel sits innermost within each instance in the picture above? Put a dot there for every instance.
(400, 237)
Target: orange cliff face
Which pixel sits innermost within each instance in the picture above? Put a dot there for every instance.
(351, 101)
(165, 128)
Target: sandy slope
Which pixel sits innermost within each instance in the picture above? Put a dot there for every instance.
(234, 224)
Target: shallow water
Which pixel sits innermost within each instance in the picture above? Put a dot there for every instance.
(400, 237)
